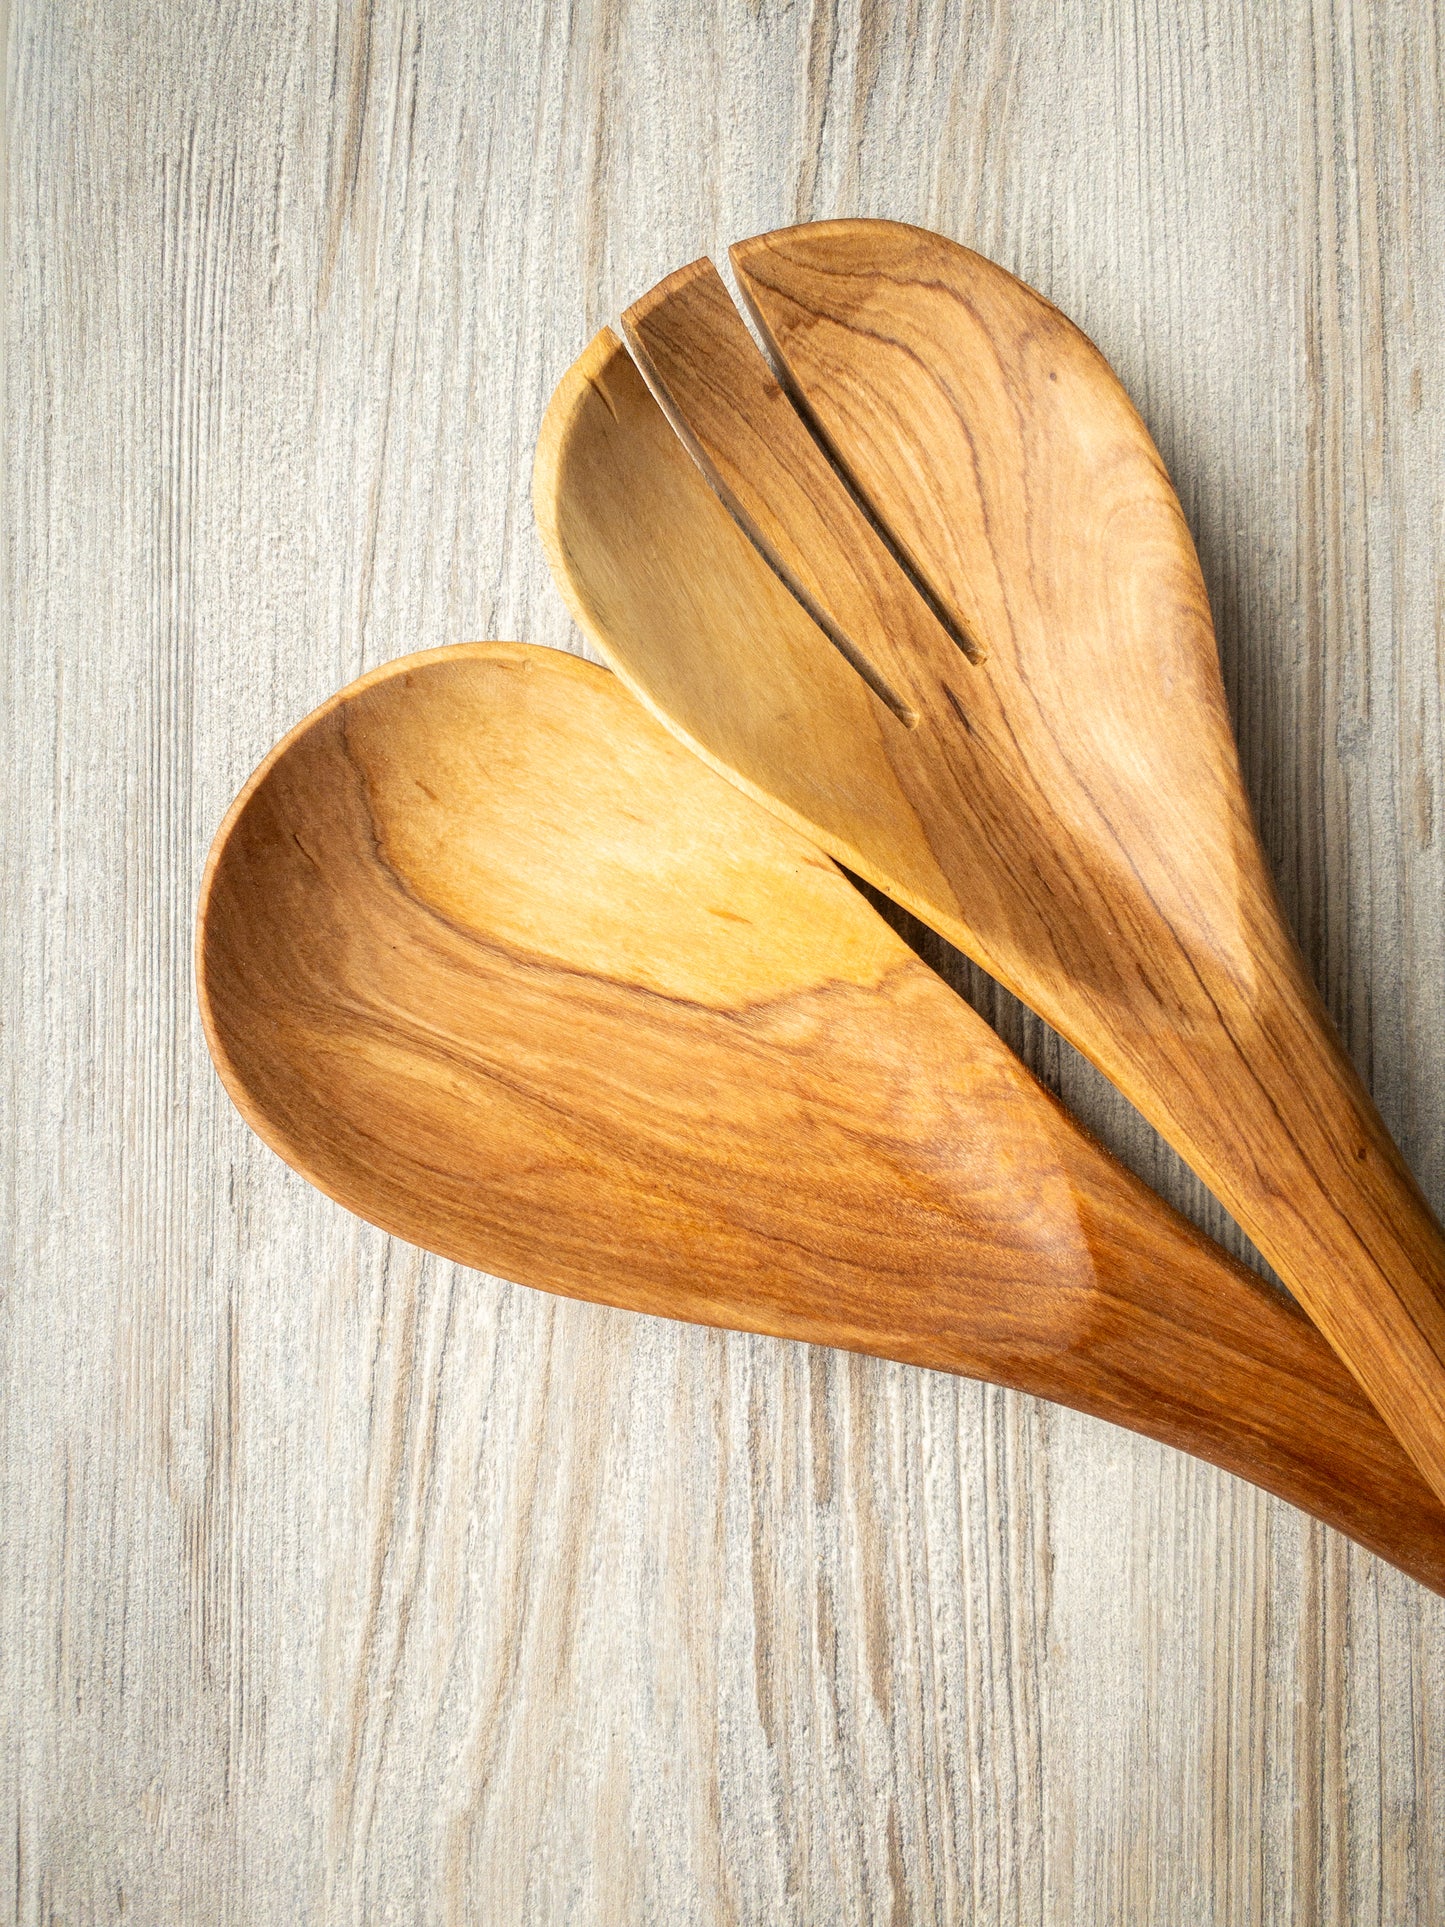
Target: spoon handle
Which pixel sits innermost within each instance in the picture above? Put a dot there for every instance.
(1167, 1335)
(1269, 1110)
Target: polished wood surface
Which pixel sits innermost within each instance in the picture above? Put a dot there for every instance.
(1074, 807)
(494, 962)
(340, 1583)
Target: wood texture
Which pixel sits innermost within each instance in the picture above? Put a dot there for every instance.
(341, 1584)
(1076, 806)
(496, 963)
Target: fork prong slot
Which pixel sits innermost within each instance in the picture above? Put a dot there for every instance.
(764, 463)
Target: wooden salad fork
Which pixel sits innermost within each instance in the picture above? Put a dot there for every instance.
(958, 634)
(496, 963)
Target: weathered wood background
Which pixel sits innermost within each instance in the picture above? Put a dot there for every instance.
(343, 1585)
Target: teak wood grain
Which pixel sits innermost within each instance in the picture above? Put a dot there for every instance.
(490, 958)
(1069, 811)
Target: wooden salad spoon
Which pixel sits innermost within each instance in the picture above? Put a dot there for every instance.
(1021, 734)
(496, 963)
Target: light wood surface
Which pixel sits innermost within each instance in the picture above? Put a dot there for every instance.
(1071, 816)
(495, 962)
(340, 1584)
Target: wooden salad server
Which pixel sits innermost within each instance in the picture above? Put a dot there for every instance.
(495, 962)
(1021, 734)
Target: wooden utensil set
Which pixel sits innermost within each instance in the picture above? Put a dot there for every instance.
(569, 986)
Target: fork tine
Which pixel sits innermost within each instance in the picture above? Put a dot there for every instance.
(758, 451)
